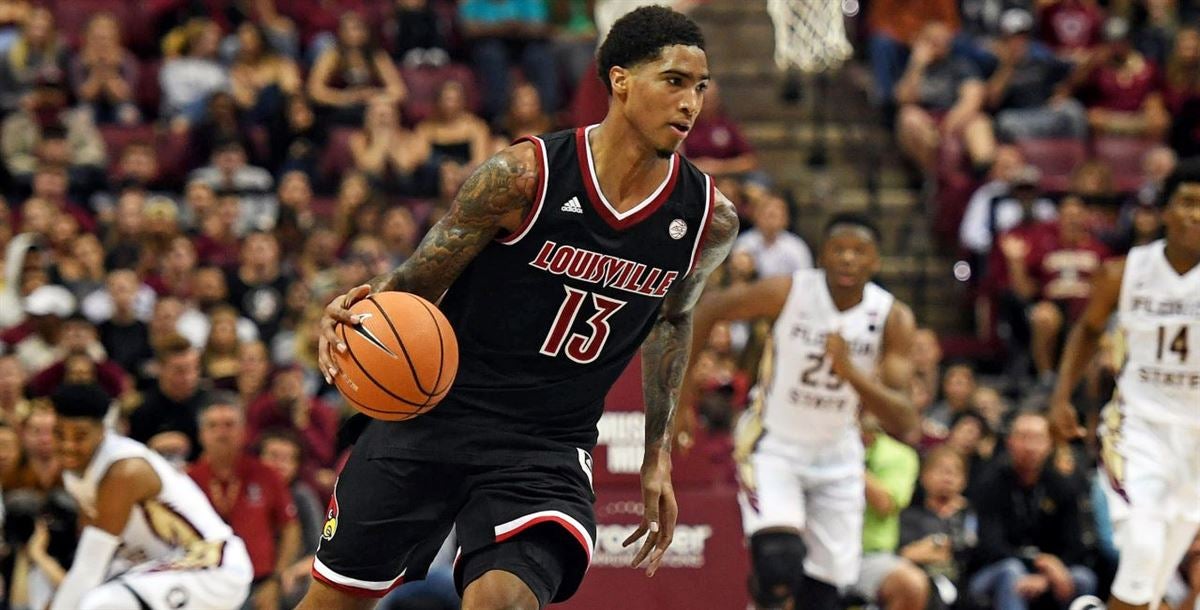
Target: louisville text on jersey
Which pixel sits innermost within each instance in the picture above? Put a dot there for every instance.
(604, 269)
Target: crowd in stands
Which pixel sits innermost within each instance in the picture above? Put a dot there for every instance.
(186, 184)
(1039, 133)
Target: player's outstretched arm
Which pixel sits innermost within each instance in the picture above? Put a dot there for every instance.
(664, 360)
(1081, 345)
(759, 299)
(888, 396)
(126, 483)
(495, 198)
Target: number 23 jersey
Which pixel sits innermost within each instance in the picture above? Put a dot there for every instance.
(802, 399)
(548, 316)
(1158, 316)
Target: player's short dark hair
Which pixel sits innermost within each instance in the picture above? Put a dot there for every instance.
(80, 400)
(641, 35)
(1186, 171)
(854, 219)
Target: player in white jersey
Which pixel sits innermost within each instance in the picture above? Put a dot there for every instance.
(1150, 432)
(839, 343)
(150, 537)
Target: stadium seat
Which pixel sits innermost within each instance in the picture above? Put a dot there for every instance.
(72, 16)
(1056, 158)
(1124, 156)
(423, 85)
(955, 183)
(149, 92)
(173, 156)
(117, 137)
(336, 159)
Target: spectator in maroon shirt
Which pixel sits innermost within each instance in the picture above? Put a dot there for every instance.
(1050, 266)
(248, 495)
(288, 406)
(716, 144)
(1181, 91)
(1123, 90)
(1072, 28)
(218, 244)
(79, 339)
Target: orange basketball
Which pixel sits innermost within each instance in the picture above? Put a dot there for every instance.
(400, 360)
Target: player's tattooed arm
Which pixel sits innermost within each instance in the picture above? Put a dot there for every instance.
(664, 361)
(495, 198)
(665, 351)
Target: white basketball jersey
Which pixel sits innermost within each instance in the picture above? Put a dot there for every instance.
(1159, 317)
(803, 400)
(162, 528)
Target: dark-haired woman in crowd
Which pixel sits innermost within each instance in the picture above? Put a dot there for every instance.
(353, 72)
(104, 75)
(457, 137)
(261, 78)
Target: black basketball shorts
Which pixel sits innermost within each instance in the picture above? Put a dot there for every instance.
(389, 516)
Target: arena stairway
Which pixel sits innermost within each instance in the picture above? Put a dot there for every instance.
(831, 152)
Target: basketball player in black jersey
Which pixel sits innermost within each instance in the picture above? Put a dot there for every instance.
(560, 257)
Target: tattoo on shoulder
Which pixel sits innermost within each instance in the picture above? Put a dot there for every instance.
(502, 188)
(503, 184)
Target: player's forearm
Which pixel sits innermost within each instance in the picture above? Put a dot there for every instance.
(664, 361)
(894, 408)
(1082, 343)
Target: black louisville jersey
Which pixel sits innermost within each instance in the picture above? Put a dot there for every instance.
(548, 317)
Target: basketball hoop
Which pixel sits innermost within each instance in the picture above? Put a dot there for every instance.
(810, 35)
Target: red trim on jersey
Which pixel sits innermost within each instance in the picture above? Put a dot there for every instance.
(355, 591)
(590, 181)
(563, 523)
(711, 204)
(538, 198)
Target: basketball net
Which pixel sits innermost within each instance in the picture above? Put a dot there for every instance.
(809, 34)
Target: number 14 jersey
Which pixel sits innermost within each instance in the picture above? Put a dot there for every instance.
(1159, 318)
(802, 399)
(548, 316)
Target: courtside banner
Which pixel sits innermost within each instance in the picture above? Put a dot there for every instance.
(705, 567)
(621, 442)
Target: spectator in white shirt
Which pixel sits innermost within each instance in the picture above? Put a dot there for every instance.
(775, 249)
(230, 172)
(1001, 205)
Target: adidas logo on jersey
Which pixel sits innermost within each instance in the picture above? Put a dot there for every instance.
(573, 206)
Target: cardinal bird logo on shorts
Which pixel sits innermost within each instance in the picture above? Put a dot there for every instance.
(331, 517)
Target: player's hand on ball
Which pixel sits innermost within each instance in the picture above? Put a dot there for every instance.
(337, 312)
(661, 511)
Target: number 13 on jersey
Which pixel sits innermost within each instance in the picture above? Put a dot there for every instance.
(579, 347)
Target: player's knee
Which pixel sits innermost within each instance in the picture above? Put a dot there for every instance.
(905, 587)
(1046, 317)
(321, 596)
(1141, 553)
(110, 596)
(499, 590)
(778, 560)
